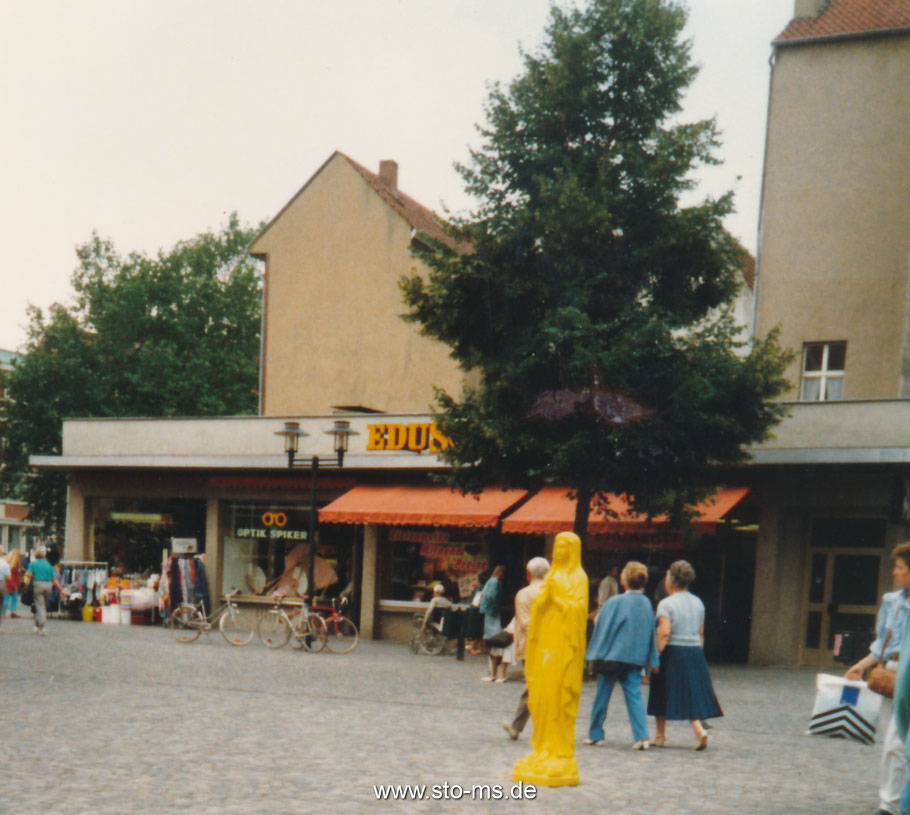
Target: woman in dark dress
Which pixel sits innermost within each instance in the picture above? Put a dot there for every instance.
(681, 689)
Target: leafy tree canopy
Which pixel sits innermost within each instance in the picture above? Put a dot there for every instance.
(589, 282)
(171, 335)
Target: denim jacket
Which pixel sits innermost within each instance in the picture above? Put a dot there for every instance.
(891, 616)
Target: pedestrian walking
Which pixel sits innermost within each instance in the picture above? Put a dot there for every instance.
(536, 571)
(892, 617)
(681, 688)
(42, 578)
(624, 641)
(5, 574)
(490, 599)
(14, 559)
(901, 716)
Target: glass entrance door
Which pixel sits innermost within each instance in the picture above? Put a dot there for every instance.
(843, 590)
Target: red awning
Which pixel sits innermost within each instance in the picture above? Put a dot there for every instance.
(551, 510)
(426, 505)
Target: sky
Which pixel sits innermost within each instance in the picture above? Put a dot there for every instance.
(150, 121)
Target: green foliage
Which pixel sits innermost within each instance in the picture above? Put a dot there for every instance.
(172, 335)
(588, 273)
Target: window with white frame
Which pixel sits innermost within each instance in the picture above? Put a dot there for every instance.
(823, 371)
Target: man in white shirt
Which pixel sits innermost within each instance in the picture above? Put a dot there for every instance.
(537, 569)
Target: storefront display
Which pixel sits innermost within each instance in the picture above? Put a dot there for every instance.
(130, 534)
(267, 550)
(420, 558)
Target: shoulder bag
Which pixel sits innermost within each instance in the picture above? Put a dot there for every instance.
(881, 679)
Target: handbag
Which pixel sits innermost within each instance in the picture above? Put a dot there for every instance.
(609, 667)
(881, 679)
(27, 595)
(503, 639)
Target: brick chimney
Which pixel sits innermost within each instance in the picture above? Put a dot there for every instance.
(808, 8)
(388, 173)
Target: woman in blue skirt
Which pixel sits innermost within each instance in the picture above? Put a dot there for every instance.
(681, 688)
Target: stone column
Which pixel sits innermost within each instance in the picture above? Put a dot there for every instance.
(74, 547)
(369, 577)
(214, 551)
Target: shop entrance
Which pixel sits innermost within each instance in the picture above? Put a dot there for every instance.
(845, 558)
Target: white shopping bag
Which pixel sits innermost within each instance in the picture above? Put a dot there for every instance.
(844, 709)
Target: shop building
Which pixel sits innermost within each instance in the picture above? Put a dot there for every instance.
(833, 272)
(386, 530)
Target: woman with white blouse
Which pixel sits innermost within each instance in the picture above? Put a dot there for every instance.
(681, 688)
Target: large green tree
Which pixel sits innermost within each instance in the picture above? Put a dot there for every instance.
(176, 334)
(592, 304)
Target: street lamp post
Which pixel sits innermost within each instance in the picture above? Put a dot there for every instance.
(340, 432)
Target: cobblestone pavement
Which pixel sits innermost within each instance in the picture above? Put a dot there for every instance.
(123, 719)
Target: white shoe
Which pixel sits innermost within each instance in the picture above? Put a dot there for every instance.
(43, 632)
(593, 742)
(487, 678)
(35, 630)
(641, 745)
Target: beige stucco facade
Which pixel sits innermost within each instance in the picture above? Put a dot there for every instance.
(834, 258)
(333, 332)
(834, 266)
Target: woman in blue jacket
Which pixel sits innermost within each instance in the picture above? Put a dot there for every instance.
(623, 643)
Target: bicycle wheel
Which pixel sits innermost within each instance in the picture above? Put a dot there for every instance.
(186, 623)
(235, 626)
(342, 636)
(273, 629)
(432, 642)
(309, 632)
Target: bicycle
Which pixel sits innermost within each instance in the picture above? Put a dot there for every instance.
(276, 625)
(342, 635)
(188, 621)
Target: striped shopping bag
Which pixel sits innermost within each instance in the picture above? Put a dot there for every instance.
(844, 709)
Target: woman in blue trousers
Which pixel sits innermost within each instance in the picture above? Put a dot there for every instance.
(623, 643)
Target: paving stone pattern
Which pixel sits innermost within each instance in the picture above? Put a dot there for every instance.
(123, 720)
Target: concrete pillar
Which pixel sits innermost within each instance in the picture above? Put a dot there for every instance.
(778, 588)
(74, 545)
(369, 579)
(214, 551)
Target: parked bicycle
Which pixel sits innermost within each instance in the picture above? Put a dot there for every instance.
(188, 621)
(276, 626)
(341, 633)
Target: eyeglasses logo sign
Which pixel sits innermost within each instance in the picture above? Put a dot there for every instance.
(278, 519)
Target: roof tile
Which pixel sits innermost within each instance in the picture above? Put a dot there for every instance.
(843, 17)
(417, 215)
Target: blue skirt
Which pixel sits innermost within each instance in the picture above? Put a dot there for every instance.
(682, 689)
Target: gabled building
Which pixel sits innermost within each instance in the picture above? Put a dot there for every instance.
(333, 336)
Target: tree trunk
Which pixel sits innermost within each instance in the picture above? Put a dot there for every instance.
(582, 511)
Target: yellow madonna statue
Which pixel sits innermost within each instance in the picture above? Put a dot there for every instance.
(554, 665)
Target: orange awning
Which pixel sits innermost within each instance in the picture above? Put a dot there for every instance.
(551, 510)
(426, 505)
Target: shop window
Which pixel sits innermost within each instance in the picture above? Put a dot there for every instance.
(420, 558)
(134, 536)
(266, 549)
(824, 364)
